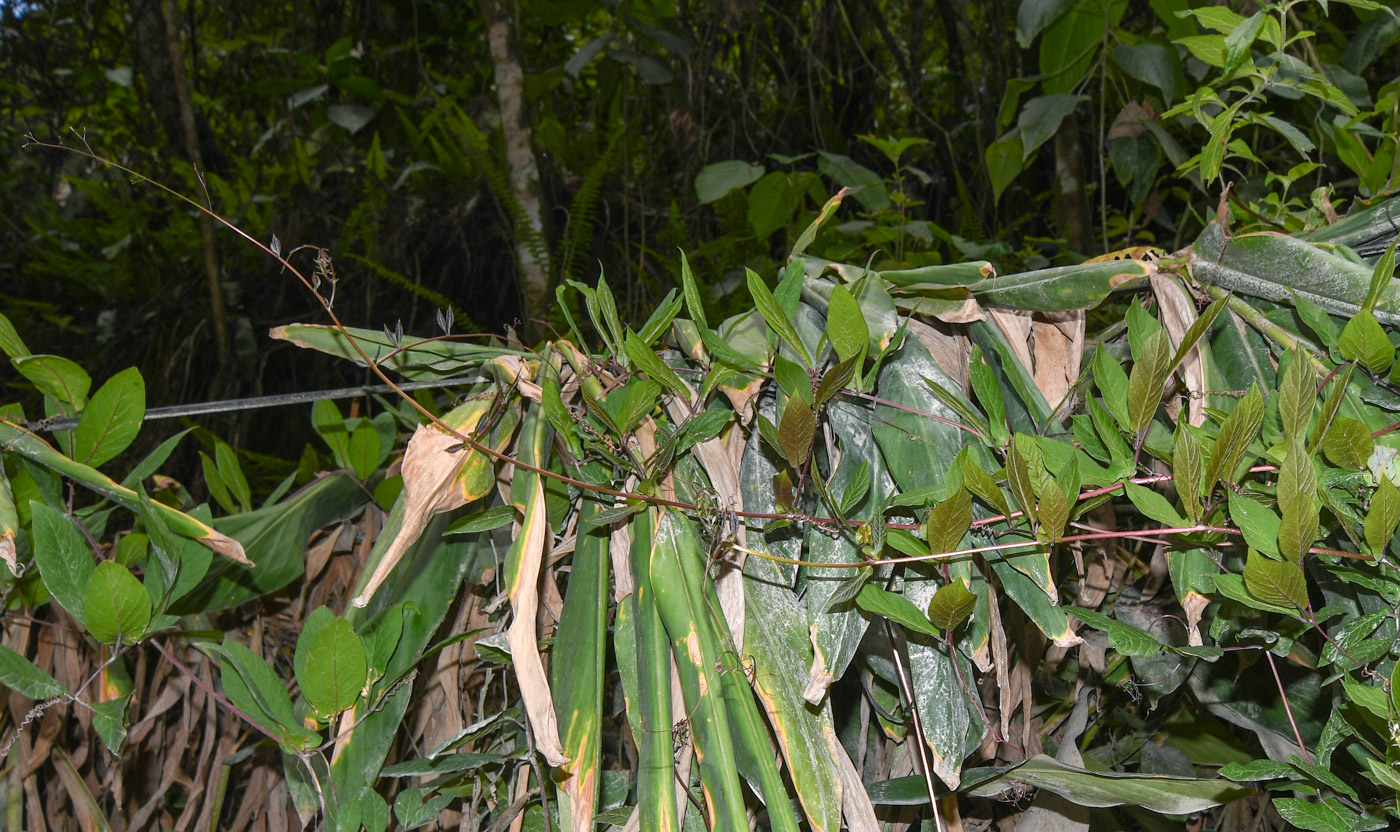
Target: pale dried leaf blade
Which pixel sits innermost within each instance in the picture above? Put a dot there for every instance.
(523, 640)
(429, 474)
(8, 554)
(855, 800)
(1177, 315)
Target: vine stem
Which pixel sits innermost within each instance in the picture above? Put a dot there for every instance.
(213, 693)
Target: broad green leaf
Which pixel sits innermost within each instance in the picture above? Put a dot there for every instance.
(112, 419)
(1383, 516)
(1052, 512)
(232, 474)
(1236, 433)
(1019, 474)
(20, 675)
(1297, 478)
(1032, 16)
(10, 342)
(1328, 815)
(895, 607)
(1297, 393)
(109, 721)
(1317, 320)
(1258, 523)
(792, 379)
(1330, 406)
(1381, 277)
(716, 180)
(774, 316)
(948, 521)
(1113, 386)
(483, 521)
(1240, 38)
(648, 362)
(1041, 117)
(979, 482)
(1153, 505)
(330, 425)
(984, 385)
(58, 377)
(440, 765)
(834, 381)
(116, 608)
(1003, 158)
(1297, 530)
(845, 324)
(1061, 288)
(1363, 341)
(1188, 469)
(1348, 444)
(335, 668)
(951, 605)
(796, 432)
(1277, 582)
(1147, 379)
(1232, 586)
(856, 488)
(63, 556)
(363, 451)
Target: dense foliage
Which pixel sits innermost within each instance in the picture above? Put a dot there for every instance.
(878, 509)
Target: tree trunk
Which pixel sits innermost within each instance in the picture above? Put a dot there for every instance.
(531, 246)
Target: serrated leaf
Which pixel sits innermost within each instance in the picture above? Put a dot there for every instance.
(1348, 444)
(1363, 341)
(112, 419)
(948, 522)
(951, 605)
(845, 324)
(1236, 433)
(20, 675)
(796, 431)
(1187, 470)
(1382, 516)
(116, 607)
(895, 607)
(1297, 393)
(773, 315)
(1277, 582)
(335, 668)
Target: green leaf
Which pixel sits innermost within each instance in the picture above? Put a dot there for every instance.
(649, 363)
(363, 452)
(1257, 522)
(693, 304)
(951, 605)
(116, 608)
(1148, 378)
(112, 419)
(335, 668)
(109, 720)
(796, 431)
(1297, 393)
(56, 376)
(948, 522)
(1329, 815)
(1187, 469)
(845, 324)
(856, 489)
(1363, 341)
(1316, 319)
(442, 764)
(792, 379)
(330, 425)
(834, 381)
(1113, 386)
(810, 232)
(1330, 406)
(1236, 433)
(895, 607)
(20, 675)
(773, 315)
(1277, 582)
(1240, 38)
(1297, 478)
(716, 180)
(979, 482)
(483, 521)
(10, 342)
(1004, 162)
(1052, 512)
(1041, 118)
(1348, 444)
(1297, 530)
(1383, 515)
(1019, 473)
(1381, 277)
(232, 474)
(1153, 505)
(63, 557)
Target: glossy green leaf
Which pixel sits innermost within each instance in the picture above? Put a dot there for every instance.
(112, 419)
(796, 432)
(1236, 433)
(58, 377)
(1330, 406)
(116, 608)
(1327, 815)
(1059, 289)
(717, 179)
(232, 474)
(63, 556)
(845, 324)
(895, 607)
(648, 362)
(948, 521)
(1277, 582)
(1147, 379)
(1052, 513)
(1153, 505)
(774, 316)
(363, 451)
(835, 380)
(1348, 444)
(951, 605)
(1297, 530)
(1187, 470)
(20, 675)
(335, 668)
(1297, 394)
(1383, 515)
(1258, 523)
(1364, 341)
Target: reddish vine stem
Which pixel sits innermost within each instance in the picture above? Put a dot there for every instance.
(213, 693)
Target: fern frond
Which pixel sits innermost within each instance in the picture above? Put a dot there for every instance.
(578, 235)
